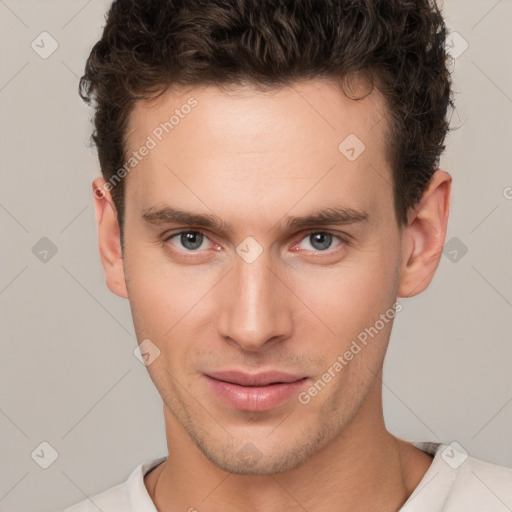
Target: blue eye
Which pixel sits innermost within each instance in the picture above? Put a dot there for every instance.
(190, 240)
(320, 240)
(195, 242)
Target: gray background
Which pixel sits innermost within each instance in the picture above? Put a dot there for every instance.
(68, 375)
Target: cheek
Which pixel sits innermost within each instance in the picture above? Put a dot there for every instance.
(346, 297)
(153, 294)
(168, 301)
(351, 295)
(354, 288)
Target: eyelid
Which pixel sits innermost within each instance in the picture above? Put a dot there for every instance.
(167, 237)
(344, 238)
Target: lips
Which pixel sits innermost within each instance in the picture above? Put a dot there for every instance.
(259, 379)
(254, 392)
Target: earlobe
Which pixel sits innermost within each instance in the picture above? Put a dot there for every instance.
(424, 236)
(109, 238)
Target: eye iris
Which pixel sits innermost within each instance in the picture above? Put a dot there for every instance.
(324, 240)
(191, 238)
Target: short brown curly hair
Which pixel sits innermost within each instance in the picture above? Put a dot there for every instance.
(148, 46)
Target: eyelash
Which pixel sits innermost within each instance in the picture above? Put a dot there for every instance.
(344, 241)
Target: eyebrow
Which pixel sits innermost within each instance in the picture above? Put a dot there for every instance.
(323, 217)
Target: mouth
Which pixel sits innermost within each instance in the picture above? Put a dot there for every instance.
(254, 392)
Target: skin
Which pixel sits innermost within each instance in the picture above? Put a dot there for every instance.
(254, 159)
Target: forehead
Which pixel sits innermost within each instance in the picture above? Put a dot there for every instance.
(266, 146)
(304, 108)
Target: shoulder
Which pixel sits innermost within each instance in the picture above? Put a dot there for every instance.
(128, 496)
(114, 499)
(456, 481)
(480, 485)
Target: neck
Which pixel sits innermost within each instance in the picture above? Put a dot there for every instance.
(362, 467)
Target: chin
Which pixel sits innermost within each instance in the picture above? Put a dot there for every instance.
(264, 465)
(263, 456)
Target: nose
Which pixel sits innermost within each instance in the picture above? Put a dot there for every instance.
(255, 305)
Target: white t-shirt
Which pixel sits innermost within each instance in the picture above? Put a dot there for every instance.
(454, 482)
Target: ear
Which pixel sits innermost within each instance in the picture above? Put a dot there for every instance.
(109, 238)
(424, 236)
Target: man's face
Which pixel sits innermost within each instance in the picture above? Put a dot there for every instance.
(260, 292)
